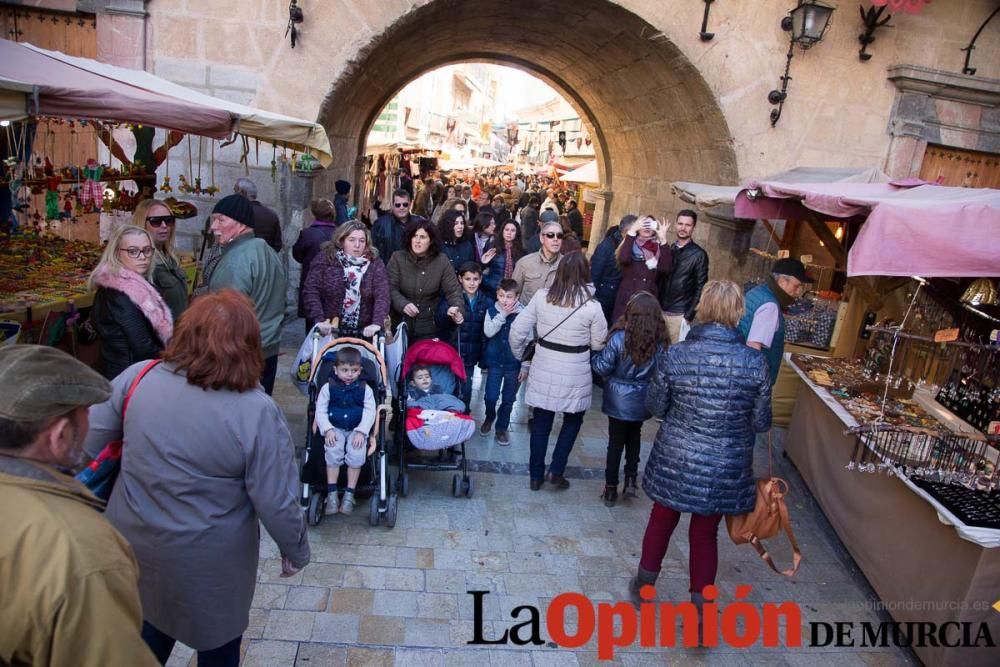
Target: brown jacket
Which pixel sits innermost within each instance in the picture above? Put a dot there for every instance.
(420, 281)
(69, 579)
(636, 276)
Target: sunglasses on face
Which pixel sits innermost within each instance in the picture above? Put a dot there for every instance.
(553, 235)
(161, 221)
(401, 204)
(134, 252)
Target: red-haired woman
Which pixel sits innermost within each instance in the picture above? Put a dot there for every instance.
(191, 490)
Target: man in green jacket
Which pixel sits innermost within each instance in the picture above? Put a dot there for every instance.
(250, 266)
(69, 579)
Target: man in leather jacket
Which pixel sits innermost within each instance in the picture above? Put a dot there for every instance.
(681, 288)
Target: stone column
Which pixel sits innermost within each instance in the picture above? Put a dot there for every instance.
(121, 33)
(295, 192)
(602, 215)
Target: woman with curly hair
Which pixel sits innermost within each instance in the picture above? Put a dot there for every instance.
(507, 249)
(627, 362)
(454, 242)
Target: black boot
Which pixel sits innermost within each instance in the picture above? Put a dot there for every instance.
(699, 602)
(631, 489)
(610, 496)
(642, 577)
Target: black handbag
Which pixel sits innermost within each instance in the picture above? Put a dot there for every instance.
(529, 349)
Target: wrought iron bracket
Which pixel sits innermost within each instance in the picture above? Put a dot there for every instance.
(778, 96)
(967, 68)
(704, 35)
(872, 21)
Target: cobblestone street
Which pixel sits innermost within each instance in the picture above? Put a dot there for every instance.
(379, 596)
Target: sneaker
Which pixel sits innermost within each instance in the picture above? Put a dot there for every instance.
(347, 504)
(502, 438)
(610, 496)
(631, 489)
(332, 504)
(487, 425)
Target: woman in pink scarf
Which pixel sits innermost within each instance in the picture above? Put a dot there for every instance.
(644, 255)
(130, 316)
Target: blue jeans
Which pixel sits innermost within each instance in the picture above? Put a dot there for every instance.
(494, 379)
(227, 655)
(470, 372)
(541, 427)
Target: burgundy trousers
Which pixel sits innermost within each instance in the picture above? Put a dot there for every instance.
(704, 561)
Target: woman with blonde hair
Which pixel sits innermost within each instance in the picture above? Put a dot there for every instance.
(167, 276)
(131, 318)
(713, 393)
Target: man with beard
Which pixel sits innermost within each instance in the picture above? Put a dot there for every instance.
(681, 289)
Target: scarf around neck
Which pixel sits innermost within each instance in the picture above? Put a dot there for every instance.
(354, 271)
(142, 294)
(784, 299)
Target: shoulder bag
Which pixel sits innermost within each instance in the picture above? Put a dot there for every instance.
(768, 518)
(529, 349)
(102, 473)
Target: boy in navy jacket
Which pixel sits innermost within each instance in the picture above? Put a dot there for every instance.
(503, 368)
(466, 337)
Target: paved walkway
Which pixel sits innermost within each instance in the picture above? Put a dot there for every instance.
(378, 596)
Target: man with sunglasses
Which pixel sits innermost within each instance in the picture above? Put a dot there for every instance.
(538, 269)
(387, 232)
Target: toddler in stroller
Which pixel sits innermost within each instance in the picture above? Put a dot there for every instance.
(345, 414)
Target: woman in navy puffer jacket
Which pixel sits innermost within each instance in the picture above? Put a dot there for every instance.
(713, 393)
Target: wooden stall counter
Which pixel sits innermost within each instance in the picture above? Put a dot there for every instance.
(923, 569)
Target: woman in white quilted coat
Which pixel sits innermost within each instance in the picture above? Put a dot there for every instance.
(568, 323)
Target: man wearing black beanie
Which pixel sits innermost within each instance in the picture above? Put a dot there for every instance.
(250, 266)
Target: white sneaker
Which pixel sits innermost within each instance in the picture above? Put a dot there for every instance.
(331, 505)
(347, 504)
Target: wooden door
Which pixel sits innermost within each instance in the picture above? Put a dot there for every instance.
(958, 167)
(74, 34)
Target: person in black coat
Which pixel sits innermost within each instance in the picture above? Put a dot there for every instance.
(310, 240)
(604, 270)
(529, 218)
(713, 393)
(575, 219)
(455, 243)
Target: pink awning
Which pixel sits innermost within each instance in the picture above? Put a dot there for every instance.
(924, 230)
(66, 90)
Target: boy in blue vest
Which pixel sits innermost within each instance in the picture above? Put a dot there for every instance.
(469, 333)
(503, 368)
(345, 414)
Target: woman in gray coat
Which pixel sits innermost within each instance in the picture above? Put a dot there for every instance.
(206, 455)
(568, 323)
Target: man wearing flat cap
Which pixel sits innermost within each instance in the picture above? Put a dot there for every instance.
(250, 266)
(69, 579)
(763, 323)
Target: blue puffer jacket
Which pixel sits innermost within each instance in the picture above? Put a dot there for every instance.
(459, 253)
(468, 338)
(625, 389)
(713, 393)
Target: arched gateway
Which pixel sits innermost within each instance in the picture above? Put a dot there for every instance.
(651, 114)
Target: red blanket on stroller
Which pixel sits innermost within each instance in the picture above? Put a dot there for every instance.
(438, 429)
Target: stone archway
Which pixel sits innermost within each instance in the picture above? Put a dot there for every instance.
(652, 115)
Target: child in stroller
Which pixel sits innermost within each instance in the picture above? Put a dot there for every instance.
(345, 414)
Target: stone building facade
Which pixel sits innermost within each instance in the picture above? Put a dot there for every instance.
(660, 103)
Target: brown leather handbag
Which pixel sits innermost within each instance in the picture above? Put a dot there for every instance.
(768, 518)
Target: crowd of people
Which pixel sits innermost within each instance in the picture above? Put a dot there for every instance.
(493, 267)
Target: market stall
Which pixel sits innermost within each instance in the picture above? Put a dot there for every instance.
(71, 182)
(587, 181)
(899, 445)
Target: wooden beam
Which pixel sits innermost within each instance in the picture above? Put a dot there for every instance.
(829, 240)
(788, 235)
(770, 230)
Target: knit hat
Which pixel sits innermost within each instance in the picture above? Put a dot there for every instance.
(236, 207)
(342, 187)
(40, 382)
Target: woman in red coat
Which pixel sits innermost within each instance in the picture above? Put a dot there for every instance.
(644, 255)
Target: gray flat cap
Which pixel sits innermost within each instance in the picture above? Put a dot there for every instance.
(38, 382)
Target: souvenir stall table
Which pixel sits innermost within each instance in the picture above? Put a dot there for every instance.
(64, 204)
(912, 490)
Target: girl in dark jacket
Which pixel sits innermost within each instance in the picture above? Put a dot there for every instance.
(507, 251)
(713, 394)
(451, 228)
(635, 343)
(132, 319)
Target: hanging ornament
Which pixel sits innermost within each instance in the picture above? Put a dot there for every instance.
(212, 189)
(91, 193)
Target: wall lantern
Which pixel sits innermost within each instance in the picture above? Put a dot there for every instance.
(294, 17)
(807, 24)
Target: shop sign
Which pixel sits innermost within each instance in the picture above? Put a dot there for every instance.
(946, 335)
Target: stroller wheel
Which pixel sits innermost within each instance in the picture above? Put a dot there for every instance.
(390, 512)
(467, 487)
(314, 512)
(456, 485)
(373, 510)
(404, 485)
